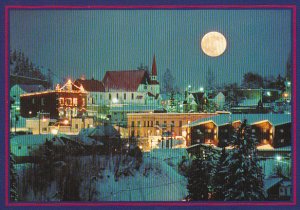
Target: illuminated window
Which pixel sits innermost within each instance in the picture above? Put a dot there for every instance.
(208, 130)
(253, 130)
(281, 140)
(61, 113)
(83, 102)
(281, 130)
(226, 130)
(68, 101)
(61, 101)
(33, 101)
(75, 101)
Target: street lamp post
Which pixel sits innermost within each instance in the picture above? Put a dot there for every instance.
(172, 125)
(39, 114)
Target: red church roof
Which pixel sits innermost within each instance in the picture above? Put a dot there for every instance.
(91, 85)
(127, 80)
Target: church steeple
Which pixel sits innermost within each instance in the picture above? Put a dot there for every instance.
(154, 70)
(154, 84)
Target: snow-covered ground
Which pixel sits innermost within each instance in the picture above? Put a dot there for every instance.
(157, 178)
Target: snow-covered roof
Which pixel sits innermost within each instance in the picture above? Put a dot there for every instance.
(265, 147)
(271, 181)
(35, 139)
(134, 108)
(219, 120)
(286, 183)
(88, 135)
(249, 102)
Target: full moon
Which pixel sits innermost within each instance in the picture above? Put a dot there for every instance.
(213, 44)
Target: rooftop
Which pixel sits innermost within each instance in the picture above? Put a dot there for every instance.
(219, 120)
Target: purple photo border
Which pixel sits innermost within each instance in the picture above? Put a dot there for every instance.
(119, 7)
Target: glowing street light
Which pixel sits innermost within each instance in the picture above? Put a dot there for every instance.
(115, 100)
(54, 131)
(278, 158)
(201, 89)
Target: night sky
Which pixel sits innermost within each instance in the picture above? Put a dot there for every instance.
(90, 42)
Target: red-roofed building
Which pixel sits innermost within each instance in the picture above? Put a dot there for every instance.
(122, 87)
(96, 94)
(131, 86)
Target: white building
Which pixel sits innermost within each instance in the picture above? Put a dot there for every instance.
(126, 87)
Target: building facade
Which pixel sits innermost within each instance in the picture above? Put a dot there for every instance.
(269, 129)
(143, 125)
(60, 103)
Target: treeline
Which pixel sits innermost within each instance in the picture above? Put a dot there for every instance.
(21, 65)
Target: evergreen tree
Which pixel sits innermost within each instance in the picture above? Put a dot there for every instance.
(168, 82)
(13, 180)
(219, 178)
(197, 180)
(244, 180)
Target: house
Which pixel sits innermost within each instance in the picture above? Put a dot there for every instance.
(195, 102)
(131, 86)
(63, 102)
(95, 95)
(278, 188)
(17, 90)
(121, 88)
(217, 98)
(172, 102)
(273, 129)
